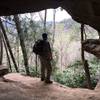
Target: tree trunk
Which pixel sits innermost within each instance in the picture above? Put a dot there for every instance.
(36, 64)
(1, 49)
(20, 34)
(17, 50)
(54, 26)
(8, 45)
(82, 38)
(40, 15)
(45, 17)
(8, 58)
(85, 63)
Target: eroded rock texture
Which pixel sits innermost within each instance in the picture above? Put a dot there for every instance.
(92, 46)
(83, 11)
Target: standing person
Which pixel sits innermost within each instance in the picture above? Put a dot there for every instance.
(45, 59)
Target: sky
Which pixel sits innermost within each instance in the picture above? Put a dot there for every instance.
(60, 15)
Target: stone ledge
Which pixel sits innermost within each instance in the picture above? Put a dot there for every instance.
(3, 70)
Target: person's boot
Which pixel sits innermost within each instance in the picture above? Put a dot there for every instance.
(48, 81)
(42, 79)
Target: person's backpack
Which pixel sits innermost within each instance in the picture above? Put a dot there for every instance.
(38, 47)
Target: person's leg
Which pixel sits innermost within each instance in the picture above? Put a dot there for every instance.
(42, 69)
(49, 71)
(42, 73)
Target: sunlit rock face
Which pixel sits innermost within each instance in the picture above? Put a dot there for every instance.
(83, 11)
(92, 46)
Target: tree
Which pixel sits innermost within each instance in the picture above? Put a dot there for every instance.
(1, 49)
(54, 26)
(45, 17)
(20, 34)
(8, 57)
(85, 63)
(8, 45)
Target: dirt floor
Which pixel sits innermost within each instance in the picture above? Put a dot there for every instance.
(18, 87)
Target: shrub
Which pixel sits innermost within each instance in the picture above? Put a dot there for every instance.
(74, 76)
(33, 71)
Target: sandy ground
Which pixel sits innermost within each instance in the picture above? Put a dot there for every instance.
(18, 87)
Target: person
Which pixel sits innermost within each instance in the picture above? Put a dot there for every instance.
(45, 59)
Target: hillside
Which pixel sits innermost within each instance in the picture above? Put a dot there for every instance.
(17, 87)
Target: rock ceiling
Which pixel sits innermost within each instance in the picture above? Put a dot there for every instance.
(83, 11)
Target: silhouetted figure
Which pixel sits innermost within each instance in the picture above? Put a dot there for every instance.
(45, 59)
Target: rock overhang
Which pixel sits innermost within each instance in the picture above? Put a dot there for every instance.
(82, 11)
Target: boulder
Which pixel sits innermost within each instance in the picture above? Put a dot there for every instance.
(92, 46)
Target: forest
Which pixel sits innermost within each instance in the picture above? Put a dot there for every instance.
(19, 33)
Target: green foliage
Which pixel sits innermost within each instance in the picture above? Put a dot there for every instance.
(74, 75)
(33, 71)
(76, 64)
(70, 78)
(94, 66)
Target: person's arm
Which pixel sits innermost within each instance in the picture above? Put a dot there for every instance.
(50, 52)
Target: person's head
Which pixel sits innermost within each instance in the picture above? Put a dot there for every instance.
(44, 36)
